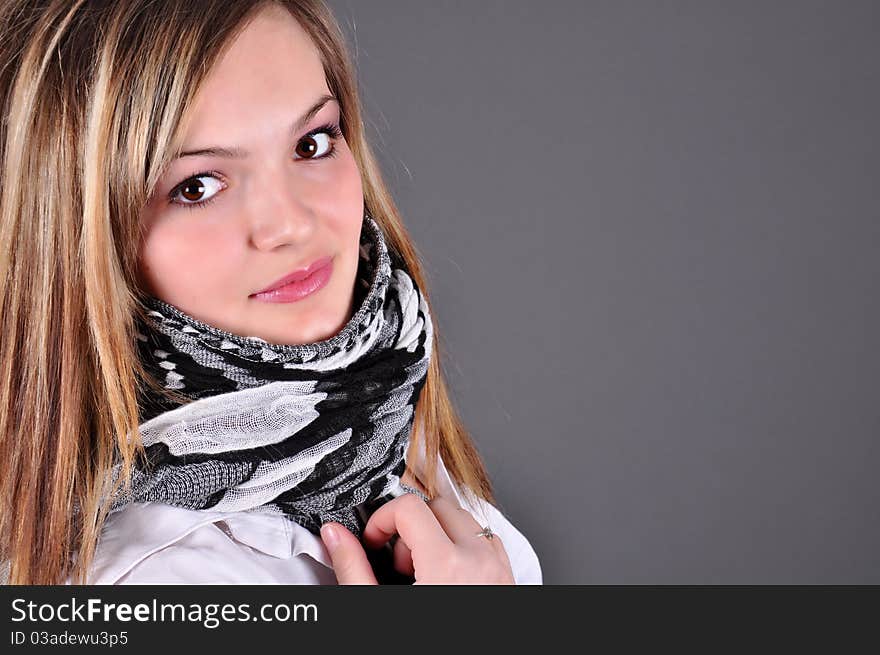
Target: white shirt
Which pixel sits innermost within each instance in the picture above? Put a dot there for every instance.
(155, 543)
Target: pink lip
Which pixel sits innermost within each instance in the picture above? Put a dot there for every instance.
(299, 284)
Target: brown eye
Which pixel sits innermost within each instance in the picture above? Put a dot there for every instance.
(197, 190)
(192, 190)
(307, 147)
(310, 145)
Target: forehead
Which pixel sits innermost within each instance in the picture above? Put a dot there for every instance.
(269, 74)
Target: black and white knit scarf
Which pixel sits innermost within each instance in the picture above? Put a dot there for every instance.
(314, 431)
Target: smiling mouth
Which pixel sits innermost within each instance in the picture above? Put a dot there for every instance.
(298, 289)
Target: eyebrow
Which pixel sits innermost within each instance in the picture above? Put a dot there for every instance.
(240, 153)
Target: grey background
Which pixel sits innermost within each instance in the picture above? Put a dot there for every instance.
(651, 231)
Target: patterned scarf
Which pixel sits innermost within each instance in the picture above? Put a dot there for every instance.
(317, 431)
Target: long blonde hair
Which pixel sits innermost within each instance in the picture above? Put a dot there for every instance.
(94, 95)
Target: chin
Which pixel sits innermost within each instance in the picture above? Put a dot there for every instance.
(320, 329)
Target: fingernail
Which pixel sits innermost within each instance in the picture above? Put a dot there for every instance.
(330, 536)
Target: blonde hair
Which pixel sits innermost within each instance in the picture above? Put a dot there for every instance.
(94, 98)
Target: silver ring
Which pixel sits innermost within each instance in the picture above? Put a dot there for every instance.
(486, 532)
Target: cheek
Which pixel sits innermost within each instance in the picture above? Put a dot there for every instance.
(347, 197)
(337, 196)
(344, 202)
(341, 189)
(168, 249)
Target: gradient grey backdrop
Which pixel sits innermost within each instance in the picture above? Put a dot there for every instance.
(652, 239)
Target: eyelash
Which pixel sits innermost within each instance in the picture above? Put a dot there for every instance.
(332, 129)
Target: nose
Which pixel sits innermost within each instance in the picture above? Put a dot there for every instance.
(282, 218)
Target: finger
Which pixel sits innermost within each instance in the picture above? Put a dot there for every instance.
(502, 551)
(459, 523)
(462, 527)
(411, 518)
(350, 563)
(403, 558)
(464, 530)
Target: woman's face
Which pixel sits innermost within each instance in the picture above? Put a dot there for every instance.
(223, 226)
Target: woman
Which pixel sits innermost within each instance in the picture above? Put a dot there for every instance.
(218, 359)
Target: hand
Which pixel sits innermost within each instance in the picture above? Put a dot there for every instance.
(437, 545)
